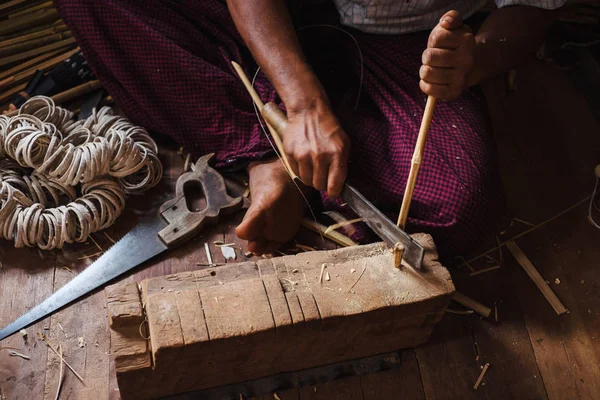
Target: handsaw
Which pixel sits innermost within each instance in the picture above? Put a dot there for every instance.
(174, 224)
(171, 226)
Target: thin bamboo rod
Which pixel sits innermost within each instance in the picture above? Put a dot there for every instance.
(416, 161)
(34, 35)
(29, 20)
(44, 66)
(260, 105)
(23, 66)
(37, 7)
(31, 53)
(33, 44)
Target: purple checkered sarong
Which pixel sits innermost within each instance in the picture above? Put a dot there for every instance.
(167, 65)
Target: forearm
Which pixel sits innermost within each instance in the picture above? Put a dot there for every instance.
(267, 29)
(508, 37)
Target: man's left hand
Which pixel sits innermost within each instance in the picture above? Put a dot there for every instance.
(448, 59)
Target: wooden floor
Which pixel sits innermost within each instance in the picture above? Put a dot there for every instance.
(548, 143)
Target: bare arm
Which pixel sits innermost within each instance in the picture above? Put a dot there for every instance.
(314, 141)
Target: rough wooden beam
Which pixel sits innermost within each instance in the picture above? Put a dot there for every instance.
(240, 322)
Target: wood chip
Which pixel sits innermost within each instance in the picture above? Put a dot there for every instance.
(557, 281)
(208, 254)
(327, 277)
(248, 254)
(276, 397)
(81, 342)
(228, 252)
(23, 333)
(321, 274)
(483, 372)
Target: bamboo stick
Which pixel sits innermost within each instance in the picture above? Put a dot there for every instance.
(334, 236)
(416, 161)
(8, 6)
(260, 105)
(535, 276)
(33, 44)
(23, 66)
(31, 53)
(31, 9)
(29, 20)
(44, 66)
(471, 304)
(35, 35)
(68, 95)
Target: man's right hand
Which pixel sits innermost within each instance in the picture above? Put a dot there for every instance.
(317, 147)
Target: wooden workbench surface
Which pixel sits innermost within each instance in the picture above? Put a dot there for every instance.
(547, 157)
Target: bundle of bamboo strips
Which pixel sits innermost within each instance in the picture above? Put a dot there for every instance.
(32, 38)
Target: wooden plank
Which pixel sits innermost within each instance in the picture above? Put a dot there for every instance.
(404, 382)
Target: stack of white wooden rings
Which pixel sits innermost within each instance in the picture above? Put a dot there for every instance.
(62, 180)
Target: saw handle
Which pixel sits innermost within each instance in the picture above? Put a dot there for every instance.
(184, 223)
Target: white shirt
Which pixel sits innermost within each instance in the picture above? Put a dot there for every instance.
(405, 16)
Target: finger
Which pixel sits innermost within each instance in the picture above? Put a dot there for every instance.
(293, 163)
(441, 58)
(306, 171)
(442, 92)
(442, 76)
(441, 38)
(320, 173)
(258, 246)
(451, 20)
(337, 176)
(251, 225)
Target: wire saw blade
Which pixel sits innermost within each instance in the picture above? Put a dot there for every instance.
(139, 245)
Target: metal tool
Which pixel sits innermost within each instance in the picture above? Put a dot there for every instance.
(173, 225)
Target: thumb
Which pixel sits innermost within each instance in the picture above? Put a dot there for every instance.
(451, 20)
(252, 224)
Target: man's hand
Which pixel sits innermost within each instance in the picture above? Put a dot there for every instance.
(448, 59)
(317, 147)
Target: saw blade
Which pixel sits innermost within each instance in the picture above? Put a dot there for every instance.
(139, 245)
(383, 227)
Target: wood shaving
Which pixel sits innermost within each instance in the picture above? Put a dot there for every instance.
(68, 269)
(321, 274)
(327, 277)
(276, 397)
(45, 340)
(484, 270)
(360, 276)
(60, 372)
(23, 333)
(14, 353)
(109, 238)
(341, 224)
(305, 248)
(81, 342)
